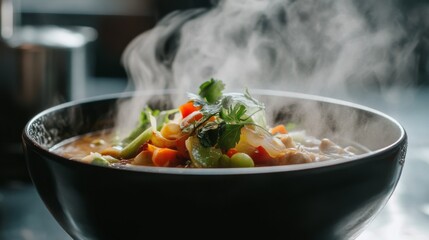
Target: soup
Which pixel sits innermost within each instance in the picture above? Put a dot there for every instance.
(212, 130)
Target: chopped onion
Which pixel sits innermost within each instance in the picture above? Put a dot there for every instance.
(252, 137)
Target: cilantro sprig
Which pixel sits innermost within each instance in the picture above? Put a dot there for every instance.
(231, 112)
(211, 90)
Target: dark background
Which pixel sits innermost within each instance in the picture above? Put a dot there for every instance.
(115, 29)
(116, 24)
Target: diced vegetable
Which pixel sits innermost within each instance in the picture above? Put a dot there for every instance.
(159, 140)
(111, 151)
(281, 129)
(143, 158)
(131, 149)
(100, 161)
(212, 130)
(261, 156)
(171, 131)
(164, 157)
(181, 146)
(241, 160)
(202, 156)
(188, 108)
(252, 137)
(191, 119)
(231, 152)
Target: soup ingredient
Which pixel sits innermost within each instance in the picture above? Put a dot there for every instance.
(281, 129)
(241, 160)
(164, 157)
(131, 149)
(211, 130)
(211, 90)
(202, 156)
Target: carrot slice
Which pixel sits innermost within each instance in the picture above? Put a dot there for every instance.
(188, 108)
(164, 157)
(278, 129)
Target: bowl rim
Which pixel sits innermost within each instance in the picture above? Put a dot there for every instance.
(219, 171)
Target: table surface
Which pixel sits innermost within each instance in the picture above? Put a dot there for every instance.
(406, 215)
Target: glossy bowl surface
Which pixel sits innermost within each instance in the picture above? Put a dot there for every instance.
(324, 200)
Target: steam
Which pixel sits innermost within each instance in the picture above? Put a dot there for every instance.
(318, 47)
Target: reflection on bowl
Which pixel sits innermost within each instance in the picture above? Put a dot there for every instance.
(323, 200)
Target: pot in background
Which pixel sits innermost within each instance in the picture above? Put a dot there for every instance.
(42, 66)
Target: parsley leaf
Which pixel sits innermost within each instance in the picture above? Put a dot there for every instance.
(250, 98)
(211, 90)
(209, 134)
(234, 113)
(230, 135)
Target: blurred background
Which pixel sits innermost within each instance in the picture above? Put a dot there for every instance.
(53, 51)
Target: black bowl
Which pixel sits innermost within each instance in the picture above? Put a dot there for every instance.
(333, 199)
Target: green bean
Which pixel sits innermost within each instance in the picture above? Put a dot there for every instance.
(241, 160)
(131, 149)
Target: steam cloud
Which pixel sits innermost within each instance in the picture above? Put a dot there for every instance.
(318, 47)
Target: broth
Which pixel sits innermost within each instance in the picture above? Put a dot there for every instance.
(301, 149)
(211, 130)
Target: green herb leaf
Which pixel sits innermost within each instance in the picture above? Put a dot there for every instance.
(234, 114)
(230, 135)
(208, 110)
(249, 97)
(209, 134)
(211, 90)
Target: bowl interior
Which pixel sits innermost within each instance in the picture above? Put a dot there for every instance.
(341, 121)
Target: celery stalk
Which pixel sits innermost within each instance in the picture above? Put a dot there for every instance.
(131, 149)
